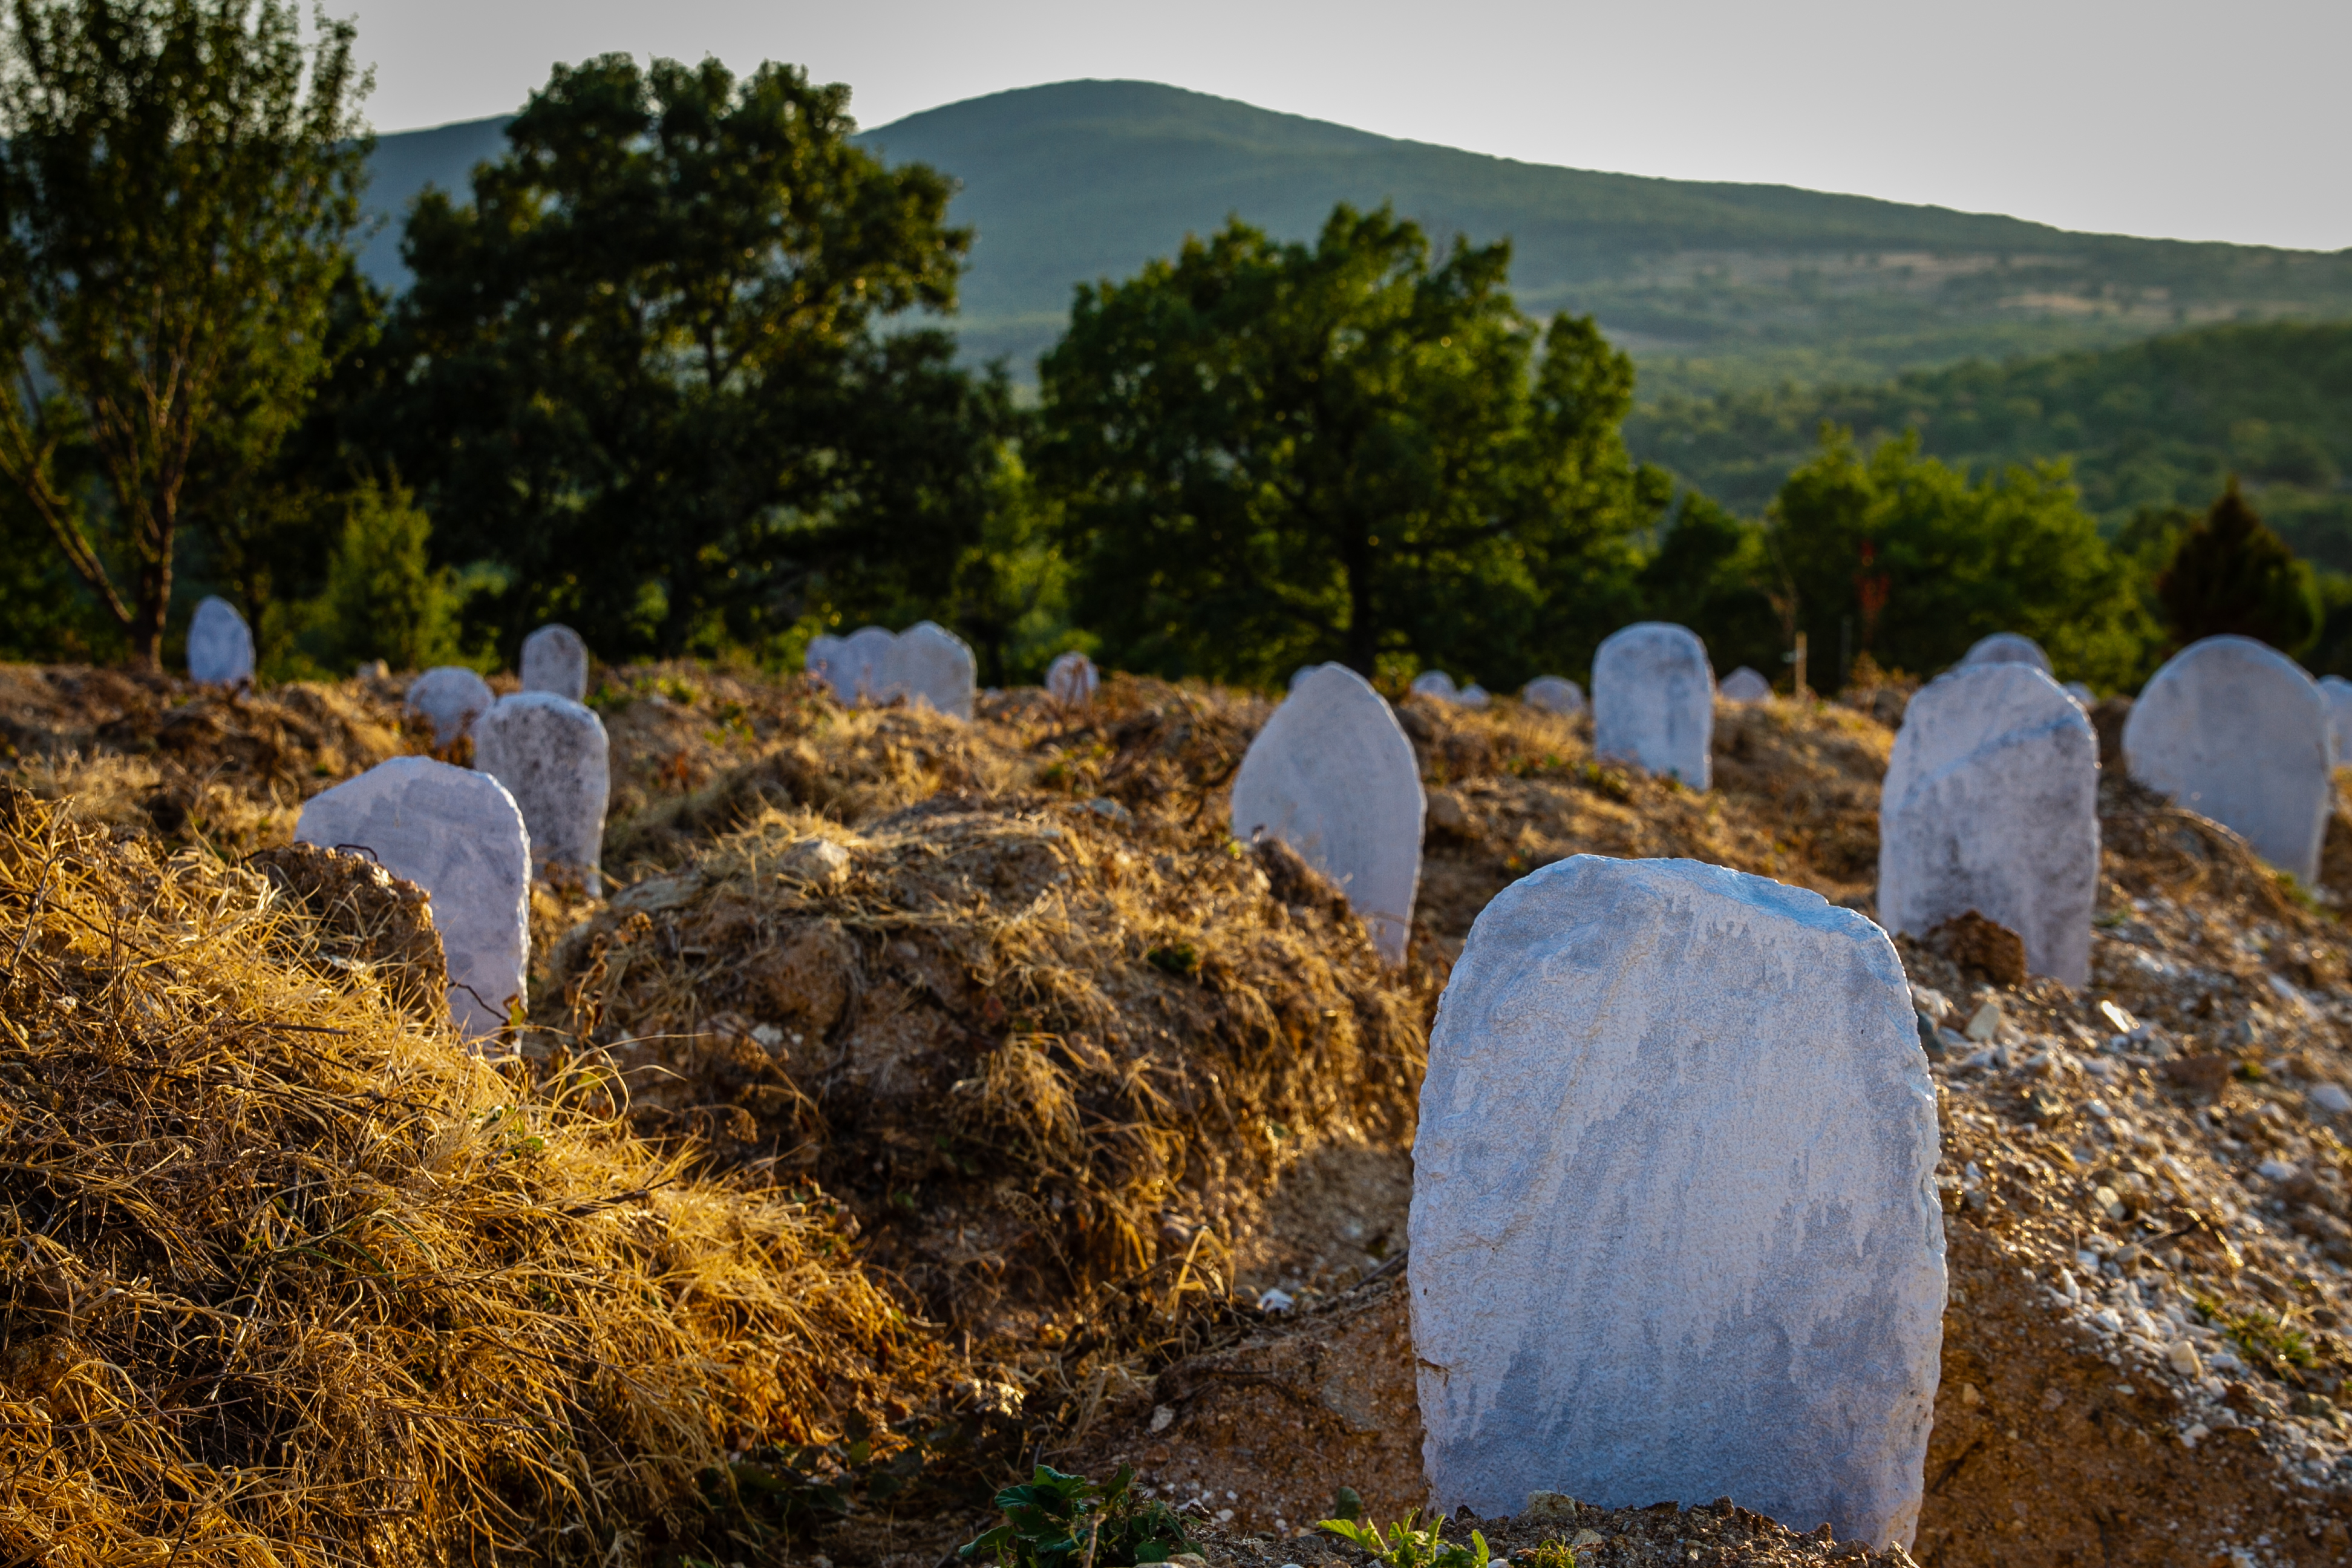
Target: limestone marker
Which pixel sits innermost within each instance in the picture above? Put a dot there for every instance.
(1991, 803)
(1674, 1227)
(553, 756)
(2007, 648)
(458, 835)
(453, 697)
(555, 660)
(220, 645)
(1744, 685)
(1333, 777)
(1553, 694)
(1653, 701)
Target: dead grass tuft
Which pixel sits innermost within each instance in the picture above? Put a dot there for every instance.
(291, 1279)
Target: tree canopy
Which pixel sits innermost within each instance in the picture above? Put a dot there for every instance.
(2229, 574)
(179, 180)
(1269, 454)
(644, 370)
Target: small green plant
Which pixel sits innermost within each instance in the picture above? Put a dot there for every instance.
(1057, 1520)
(1180, 960)
(1602, 781)
(2265, 1338)
(1552, 1555)
(1410, 1544)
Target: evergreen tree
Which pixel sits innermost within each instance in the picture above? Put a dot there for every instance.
(2229, 574)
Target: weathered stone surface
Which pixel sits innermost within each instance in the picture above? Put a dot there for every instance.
(1674, 1232)
(220, 645)
(932, 666)
(458, 835)
(1474, 696)
(1653, 701)
(553, 758)
(555, 660)
(1300, 675)
(2007, 648)
(1333, 777)
(1990, 803)
(453, 697)
(2339, 692)
(1071, 680)
(2081, 694)
(1553, 694)
(1744, 685)
(2233, 730)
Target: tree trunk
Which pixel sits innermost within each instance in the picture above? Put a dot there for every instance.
(148, 611)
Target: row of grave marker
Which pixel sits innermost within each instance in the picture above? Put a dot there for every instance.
(1657, 1070)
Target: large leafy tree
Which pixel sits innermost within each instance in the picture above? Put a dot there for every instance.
(179, 180)
(647, 371)
(1909, 560)
(1270, 453)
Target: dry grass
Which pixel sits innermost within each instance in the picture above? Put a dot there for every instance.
(291, 1279)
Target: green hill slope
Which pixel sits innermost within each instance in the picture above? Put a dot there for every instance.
(1712, 287)
(2159, 423)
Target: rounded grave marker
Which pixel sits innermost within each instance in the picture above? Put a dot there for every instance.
(555, 660)
(1553, 694)
(1072, 678)
(220, 645)
(1653, 701)
(553, 756)
(453, 697)
(2007, 648)
(1744, 685)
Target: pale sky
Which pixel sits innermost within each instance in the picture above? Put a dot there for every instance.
(2183, 121)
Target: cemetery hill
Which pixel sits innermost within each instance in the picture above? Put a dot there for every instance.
(725, 844)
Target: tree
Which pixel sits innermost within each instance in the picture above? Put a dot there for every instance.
(179, 180)
(1714, 574)
(1271, 453)
(2229, 574)
(646, 371)
(384, 598)
(1909, 561)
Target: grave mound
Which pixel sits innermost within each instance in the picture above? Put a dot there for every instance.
(358, 1294)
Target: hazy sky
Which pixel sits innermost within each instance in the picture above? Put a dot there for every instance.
(2200, 121)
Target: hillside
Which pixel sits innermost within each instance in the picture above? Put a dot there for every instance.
(2159, 423)
(1711, 286)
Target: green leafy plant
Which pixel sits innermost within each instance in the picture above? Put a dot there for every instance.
(2265, 1338)
(1411, 1545)
(1181, 960)
(1055, 1520)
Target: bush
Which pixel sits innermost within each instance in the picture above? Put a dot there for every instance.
(384, 598)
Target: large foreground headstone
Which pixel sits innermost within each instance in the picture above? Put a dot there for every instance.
(1744, 685)
(453, 697)
(220, 645)
(458, 835)
(2233, 730)
(2007, 648)
(1333, 777)
(1674, 1229)
(930, 665)
(1553, 694)
(554, 759)
(1298, 676)
(1071, 680)
(2339, 692)
(555, 660)
(1653, 701)
(1991, 803)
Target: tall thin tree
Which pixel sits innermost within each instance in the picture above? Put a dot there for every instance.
(179, 183)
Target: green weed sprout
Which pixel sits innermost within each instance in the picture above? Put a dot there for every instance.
(1410, 1544)
(1057, 1520)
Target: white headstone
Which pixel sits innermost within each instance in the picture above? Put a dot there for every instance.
(2233, 730)
(458, 835)
(1744, 685)
(453, 697)
(865, 665)
(1991, 803)
(932, 666)
(553, 756)
(1674, 1228)
(1298, 676)
(1653, 701)
(1553, 694)
(555, 660)
(1435, 683)
(1333, 777)
(1071, 680)
(2080, 693)
(1473, 695)
(2007, 648)
(824, 653)
(220, 645)
(2339, 692)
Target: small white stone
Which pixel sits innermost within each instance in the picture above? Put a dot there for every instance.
(220, 645)
(2182, 1356)
(1744, 686)
(2007, 648)
(458, 835)
(555, 660)
(1653, 701)
(451, 696)
(1162, 1418)
(2331, 1098)
(2234, 730)
(1275, 1301)
(2277, 1170)
(1071, 680)
(1225, 1516)
(1553, 694)
(1984, 1023)
(1333, 777)
(818, 861)
(553, 755)
(1930, 1002)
